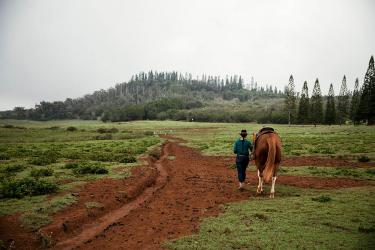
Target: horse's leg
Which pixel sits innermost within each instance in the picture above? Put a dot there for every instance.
(260, 183)
(272, 194)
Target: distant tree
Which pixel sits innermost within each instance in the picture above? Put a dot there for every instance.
(366, 108)
(355, 101)
(343, 102)
(316, 111)
(303, 108)
(290, 100)
(330, 116)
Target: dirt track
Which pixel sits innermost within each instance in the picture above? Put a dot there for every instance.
(164, 201)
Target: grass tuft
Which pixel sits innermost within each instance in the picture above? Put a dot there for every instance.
(322, 198)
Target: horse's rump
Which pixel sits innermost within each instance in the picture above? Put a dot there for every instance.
(268, 154)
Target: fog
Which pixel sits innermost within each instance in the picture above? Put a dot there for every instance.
(51, 50)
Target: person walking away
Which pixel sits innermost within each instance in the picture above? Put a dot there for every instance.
(242, 147)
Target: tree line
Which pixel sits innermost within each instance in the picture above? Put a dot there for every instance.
(356, 107)
(141, 92)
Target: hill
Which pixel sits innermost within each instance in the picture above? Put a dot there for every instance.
(166, 95)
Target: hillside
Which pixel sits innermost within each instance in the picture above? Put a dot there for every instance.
(166, 95)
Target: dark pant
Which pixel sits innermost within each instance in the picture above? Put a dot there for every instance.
(242, 161)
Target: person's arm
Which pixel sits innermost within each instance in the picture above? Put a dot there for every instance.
(235, 148)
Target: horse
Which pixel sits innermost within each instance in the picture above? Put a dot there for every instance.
(267, 157)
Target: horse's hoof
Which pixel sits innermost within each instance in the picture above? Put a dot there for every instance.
(272, 195)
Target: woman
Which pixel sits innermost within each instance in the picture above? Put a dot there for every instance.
(242, 148)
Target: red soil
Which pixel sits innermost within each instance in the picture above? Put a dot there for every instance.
(164, 201)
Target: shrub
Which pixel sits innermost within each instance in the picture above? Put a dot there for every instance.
(101, 156)
(53, 128)
(14, 168)
(8, 126)
(127, 159)
(42, 161)
(103, 137)
(370, 171)
(71, 165)
(71, 129)
(90, 168)
(322, 198)
(155, 153)
(148, 133)
(4, 156)
(26, 187)
(73, 155)
(363, 158)
(107, 130)
(41, 172)
(46, 158)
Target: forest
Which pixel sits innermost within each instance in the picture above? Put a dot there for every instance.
(177, 96)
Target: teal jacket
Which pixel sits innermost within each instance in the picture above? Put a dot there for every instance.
(242, 147)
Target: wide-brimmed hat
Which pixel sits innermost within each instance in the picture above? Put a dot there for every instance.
(243, 133)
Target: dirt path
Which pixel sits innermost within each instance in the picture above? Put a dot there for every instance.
(164, 201)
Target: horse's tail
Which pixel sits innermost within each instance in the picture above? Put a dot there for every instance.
(270, 163)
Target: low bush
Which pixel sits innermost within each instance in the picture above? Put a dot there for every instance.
(13, 168)
(155, 153)
(370, 171)
(103, 137)
(322, 198)
(46, 158)
(8, 126)
(26, 187)
(107, 130)
(4, 156)
(90, 168)
(71, 165)
(53, 128)
(101, 156)
(42, 161)
(73, 155)
(71, 129)
(41, 172)
(148, 133)
(127, 159)
(363, 158)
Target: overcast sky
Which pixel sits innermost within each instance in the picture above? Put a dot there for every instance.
(51, 50)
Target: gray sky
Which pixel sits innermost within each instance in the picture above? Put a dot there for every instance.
(51, 50)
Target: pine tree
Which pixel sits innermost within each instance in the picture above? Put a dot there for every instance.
(303, 109)
(330, 117)
(366, 108)
(290, 100)
(316, 104)
(343, 102)
(355, 101)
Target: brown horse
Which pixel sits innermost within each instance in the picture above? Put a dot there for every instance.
(267, 157)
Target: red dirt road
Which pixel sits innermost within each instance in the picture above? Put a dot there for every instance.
(164, 201)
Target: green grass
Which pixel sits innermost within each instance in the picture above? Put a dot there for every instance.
(41, 214)
(344, 220)
(296, 218)
(336, 172)
(334, 141)
(48, 157)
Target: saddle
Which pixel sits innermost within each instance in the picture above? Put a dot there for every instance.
(262, 131)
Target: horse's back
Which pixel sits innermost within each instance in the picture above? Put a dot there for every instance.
(262, 148)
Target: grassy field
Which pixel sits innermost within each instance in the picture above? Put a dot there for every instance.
(40, 159)
(296, 219)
